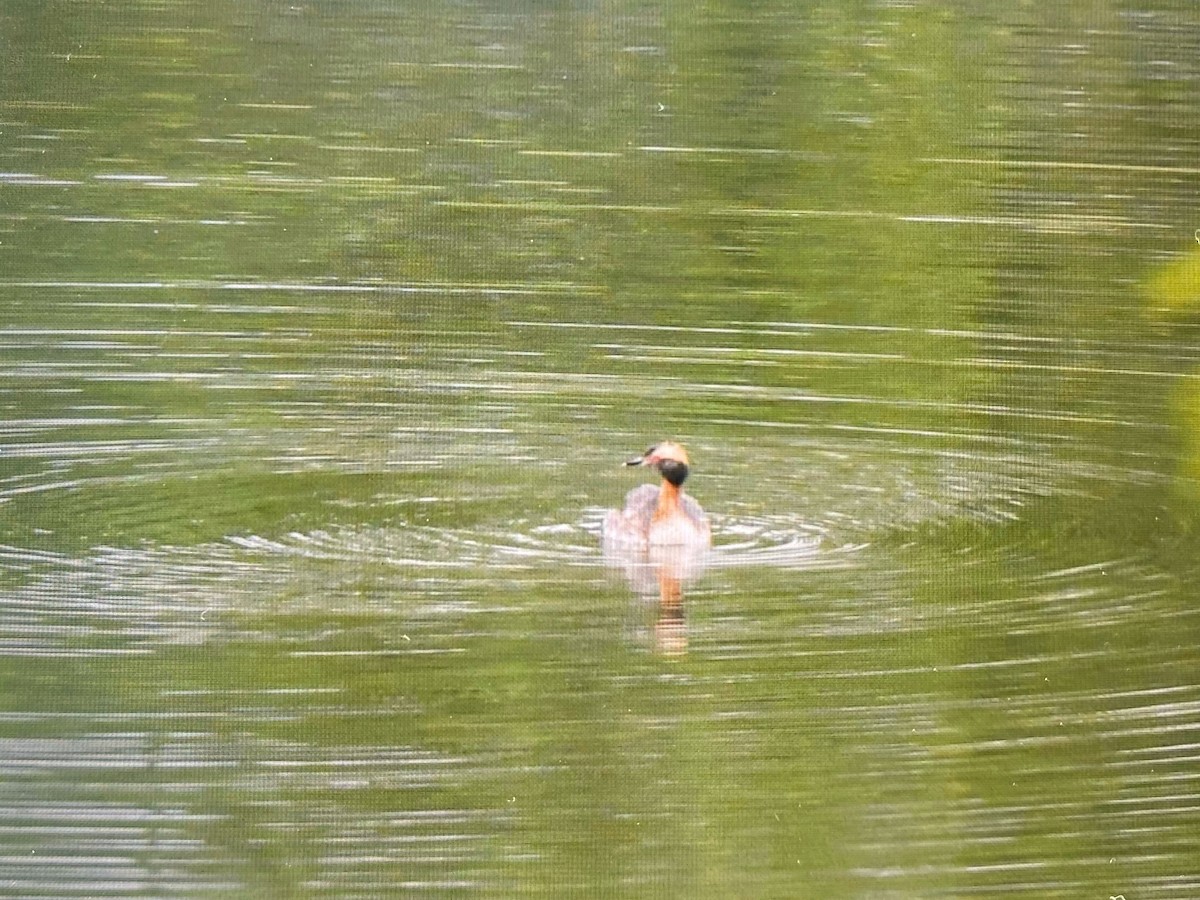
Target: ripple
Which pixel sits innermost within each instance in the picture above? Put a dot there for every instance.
(127, 599)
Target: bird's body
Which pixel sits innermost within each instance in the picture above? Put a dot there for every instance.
(659, 515)
(661, 540)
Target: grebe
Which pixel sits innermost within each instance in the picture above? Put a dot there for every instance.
(661, 540)
(659, 516)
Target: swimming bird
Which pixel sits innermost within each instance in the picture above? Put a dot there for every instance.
(659, 515)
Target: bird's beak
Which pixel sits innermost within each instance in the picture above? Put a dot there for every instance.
(636, 461)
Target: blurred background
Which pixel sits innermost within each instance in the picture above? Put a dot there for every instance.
(325, 330)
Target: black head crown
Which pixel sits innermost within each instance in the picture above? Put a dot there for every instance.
(674, 471)
(668, 457)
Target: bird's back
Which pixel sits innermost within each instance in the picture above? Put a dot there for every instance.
(635, 525)
(640, 504)
(626, 529)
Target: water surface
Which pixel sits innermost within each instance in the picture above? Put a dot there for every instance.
(325, 331)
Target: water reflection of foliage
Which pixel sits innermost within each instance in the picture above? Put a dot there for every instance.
(1173, 295)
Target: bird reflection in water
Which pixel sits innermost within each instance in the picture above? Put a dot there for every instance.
(660, 540)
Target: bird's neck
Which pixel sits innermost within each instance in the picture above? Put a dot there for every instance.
(668, 500)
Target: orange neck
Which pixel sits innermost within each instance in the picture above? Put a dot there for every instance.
(668, 500)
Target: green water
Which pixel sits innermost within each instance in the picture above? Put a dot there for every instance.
(326, 328)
